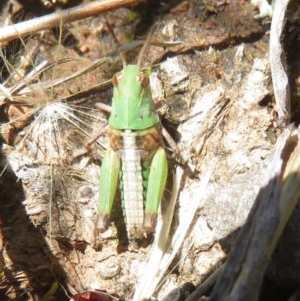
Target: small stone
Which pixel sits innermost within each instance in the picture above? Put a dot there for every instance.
(109, 268)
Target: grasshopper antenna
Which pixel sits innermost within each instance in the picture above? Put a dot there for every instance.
(110, 29)
(145, 46)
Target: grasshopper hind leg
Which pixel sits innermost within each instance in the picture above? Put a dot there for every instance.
(109, 176)
(156, 185)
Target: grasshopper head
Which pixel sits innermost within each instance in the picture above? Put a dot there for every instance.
(132, 104)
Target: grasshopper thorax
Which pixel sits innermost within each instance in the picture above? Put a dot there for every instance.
(132, 104)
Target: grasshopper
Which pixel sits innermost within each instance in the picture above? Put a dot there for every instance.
(136, 155)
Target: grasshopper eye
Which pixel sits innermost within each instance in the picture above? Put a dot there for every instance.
(116, 78)
(144, 80)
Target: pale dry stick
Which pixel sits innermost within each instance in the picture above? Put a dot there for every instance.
(159, 246)
(21, 29)
(50, 201)
(164, 251)
(45, 65)
(8, 92)
(25, 61)
(52, 83)
(124, 48)
(23, 86)
(290, 187)
(278, 62)
(58, 81)
(247, 262)
(127, 47)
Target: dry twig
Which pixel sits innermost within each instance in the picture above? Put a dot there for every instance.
(21, 29)
(278, 62)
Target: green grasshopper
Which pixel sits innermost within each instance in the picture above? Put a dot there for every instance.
(136, 155)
